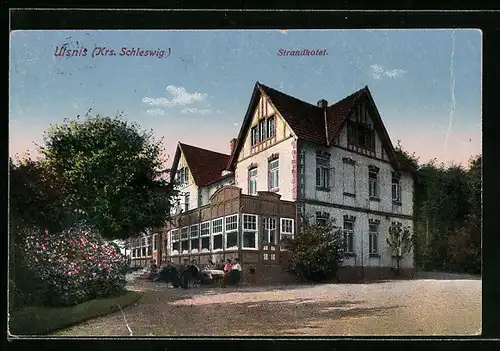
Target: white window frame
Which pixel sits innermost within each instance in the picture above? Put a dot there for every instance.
(252, 181)
(396, 189)
(231, 230)
(348, 233)
(174, 238)
(250, 229)
(283, 226)
(373, 234)
(191, 237)
(205, 235)
(273, 174)
(182, 239)
(255, 135)
(187, 202)
(267, 230)
(323, 168)
(221, 233)
(373, 184)
(271, 121)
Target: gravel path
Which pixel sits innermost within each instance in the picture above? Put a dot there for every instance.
(412, 307)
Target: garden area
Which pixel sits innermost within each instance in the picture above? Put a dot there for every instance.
(67, 209)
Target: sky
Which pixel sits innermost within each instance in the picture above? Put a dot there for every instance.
(426, 83)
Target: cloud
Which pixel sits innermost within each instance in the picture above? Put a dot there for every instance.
(196, 111)
(179, 97)
(380, 72)
(156, 112)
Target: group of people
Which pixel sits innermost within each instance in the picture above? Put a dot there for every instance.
(189, 273)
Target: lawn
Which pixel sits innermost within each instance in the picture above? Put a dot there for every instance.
(35, 320)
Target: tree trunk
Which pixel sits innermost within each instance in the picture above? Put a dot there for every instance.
(397, 265)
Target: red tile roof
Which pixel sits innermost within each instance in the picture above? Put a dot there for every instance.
(339, 112)
(206, 166)
(306, 120)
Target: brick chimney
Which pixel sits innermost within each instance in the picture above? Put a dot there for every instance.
(233, 144)
(323, 104)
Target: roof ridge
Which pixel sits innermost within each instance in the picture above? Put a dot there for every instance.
(200, 148)
(290, 96)
(350, 96)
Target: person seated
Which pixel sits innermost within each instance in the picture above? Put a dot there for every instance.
(210, 265)
(227, 271)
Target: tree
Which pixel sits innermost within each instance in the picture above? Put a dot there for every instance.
(316, 252)
(400, 241)
(111, 174)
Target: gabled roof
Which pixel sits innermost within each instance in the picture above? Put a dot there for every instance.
(307, 121)
(206, 166)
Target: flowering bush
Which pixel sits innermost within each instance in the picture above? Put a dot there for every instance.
(75, 265)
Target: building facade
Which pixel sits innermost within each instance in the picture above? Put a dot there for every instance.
(292, 161)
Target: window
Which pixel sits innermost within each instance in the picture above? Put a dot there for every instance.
(150, 250)
(154, 242)
(184, 240)
(322, 172)
(396, 188)
(271, 127)
(194, 242)
(373, 183)
(269, 233)
(217, 234)
(262, 130)
(175, 241)
(186, 202)
(348, 236)
(287, 228)
(232, 232)
(205, 236)
(274, 174)
(143, 252)
(182, 176)
(249, 231)
(373, 233)
(321, 219)
(252, 181)
(133, 253)
(255, 136)
(349, 181)
(361, 135)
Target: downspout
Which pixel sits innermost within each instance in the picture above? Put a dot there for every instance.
(325, 104)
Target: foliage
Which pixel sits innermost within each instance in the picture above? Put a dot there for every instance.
(447, 212)
(111, 173)
(73, 266)
(399, 240)
(36, 197)
(316, 252)
(407, 162)
(35, 320)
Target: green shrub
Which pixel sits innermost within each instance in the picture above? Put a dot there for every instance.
(316, 252)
